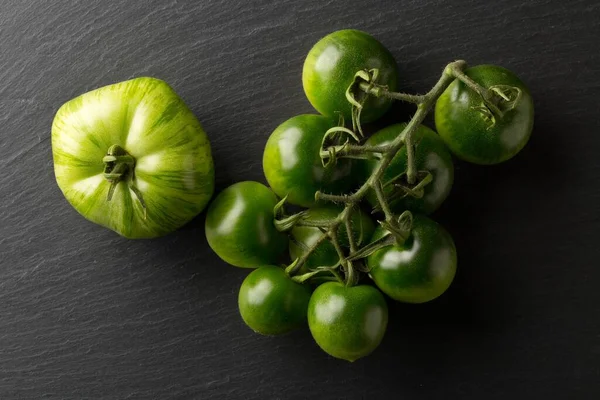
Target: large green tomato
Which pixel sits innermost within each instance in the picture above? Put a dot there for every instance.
(347, 322)
(325, 255)
(331, 65)
(419, 270)
(293, 166)
(478, 136)
(159, 161)
(431, 155)
(239, 226)
(271, 303)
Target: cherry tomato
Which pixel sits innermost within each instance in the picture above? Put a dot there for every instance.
(302, 237)
(347, 322)
(431, 155)
(271, 303)
(292, 164)
(475, 135)
(419, 270)
(331, 65)
(239, 226)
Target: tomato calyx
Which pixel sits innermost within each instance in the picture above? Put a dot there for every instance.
(119, 166)
(399, 227)
(397, 231)
(402, 188)
(363, 77)
(357, 97)
(321, 274)
(282, 222)
(332, 143)
(508, 96)
(497, 100)
(500, 100)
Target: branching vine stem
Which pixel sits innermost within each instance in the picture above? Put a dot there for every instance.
(330, 229)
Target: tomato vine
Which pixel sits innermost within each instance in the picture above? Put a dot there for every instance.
(398, 226)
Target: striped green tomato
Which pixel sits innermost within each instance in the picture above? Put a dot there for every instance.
(132, 157)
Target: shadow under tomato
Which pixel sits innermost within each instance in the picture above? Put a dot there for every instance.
(493, 214)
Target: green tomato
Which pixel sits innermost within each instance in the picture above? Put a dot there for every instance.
(470, 133)
(303, 237)
(292, 162)
(239, 226)
(431, 155)
(271, 303)
(419, 270)
(165, 173)
(347, 322)
(331, 65)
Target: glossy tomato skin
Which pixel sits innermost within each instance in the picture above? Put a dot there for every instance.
(347, 322)
(271, 303)
(302, 237)
(468, 134)
(431, 155)
(330, 67)
(292, 162)
(419, 270)
(173, 169)
(239, 226)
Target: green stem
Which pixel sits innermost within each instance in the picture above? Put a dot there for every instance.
(287, 223)
(379, 91)
(346, 265)
(348, 224)
(315, 223)
(406, 135)
(337, 275)
(383, 203)
(400, 228)
(333, 198)
(302, 260)
(411, 168)
(119, 166)
(372, 247)
(456, 70)
(353, 151)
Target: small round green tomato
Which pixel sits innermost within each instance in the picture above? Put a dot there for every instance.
(467, 131)
(239, 226)
(431, 155)
(271, 303)
(292, 162)
(331, 65)
(303, 237)
(347, 322)
(419, 270)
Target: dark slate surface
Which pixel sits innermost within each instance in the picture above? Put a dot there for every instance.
(86, 314)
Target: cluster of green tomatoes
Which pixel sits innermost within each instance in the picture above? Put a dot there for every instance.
(344, 219)
(360, 227)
